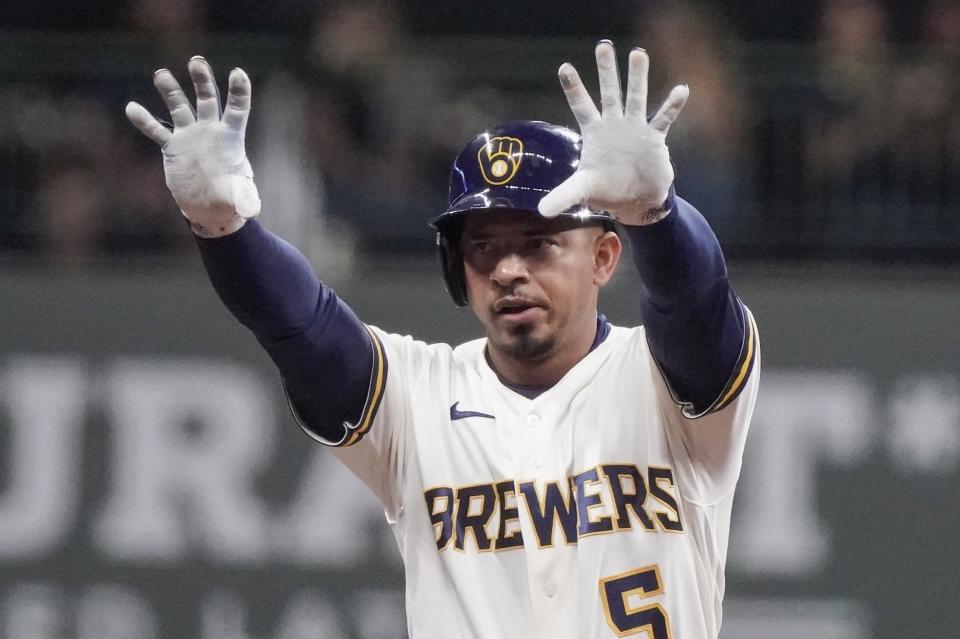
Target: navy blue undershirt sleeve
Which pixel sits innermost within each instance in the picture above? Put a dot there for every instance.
(694, 322)
(323, 351)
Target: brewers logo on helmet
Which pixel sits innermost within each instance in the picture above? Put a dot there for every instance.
(499, 159)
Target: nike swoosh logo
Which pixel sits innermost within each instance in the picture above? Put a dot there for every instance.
(463, 414)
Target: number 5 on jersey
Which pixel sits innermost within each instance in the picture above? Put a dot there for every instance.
(625, 616)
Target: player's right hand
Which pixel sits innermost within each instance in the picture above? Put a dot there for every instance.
(204, 157)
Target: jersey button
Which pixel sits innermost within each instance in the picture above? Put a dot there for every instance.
(536, 462)
(549, 588)
(533, 419)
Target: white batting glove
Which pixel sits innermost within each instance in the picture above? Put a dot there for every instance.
(204, 160)
(625, 165)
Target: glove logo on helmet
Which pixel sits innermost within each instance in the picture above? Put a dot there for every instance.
(499, 159)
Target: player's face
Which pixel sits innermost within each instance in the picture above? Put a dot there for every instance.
(533, 282)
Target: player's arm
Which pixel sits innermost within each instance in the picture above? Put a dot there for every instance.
(332, 366)
(698, 330)
(326, 356)
(696, 327)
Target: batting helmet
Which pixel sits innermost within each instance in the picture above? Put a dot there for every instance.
(510, 166)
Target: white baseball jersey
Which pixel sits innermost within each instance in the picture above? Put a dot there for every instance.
(599, 509)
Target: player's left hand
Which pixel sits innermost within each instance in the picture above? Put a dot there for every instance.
(624, 165)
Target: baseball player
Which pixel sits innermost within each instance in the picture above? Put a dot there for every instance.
(560, 477)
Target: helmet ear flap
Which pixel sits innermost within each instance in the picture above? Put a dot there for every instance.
(451, 262)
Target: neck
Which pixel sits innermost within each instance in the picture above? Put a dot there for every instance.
(550, 369)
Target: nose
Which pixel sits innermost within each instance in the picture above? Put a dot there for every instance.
(509, 269)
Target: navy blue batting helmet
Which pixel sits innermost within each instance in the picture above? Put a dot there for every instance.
(510, 166)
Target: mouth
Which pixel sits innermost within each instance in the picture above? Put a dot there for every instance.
(516, 310)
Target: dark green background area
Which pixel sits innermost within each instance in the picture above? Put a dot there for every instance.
(895, 550)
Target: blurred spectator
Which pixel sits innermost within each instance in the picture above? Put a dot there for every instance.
(99, 188)
(171, 17)
(940, 29)
(849, 127)
(70, 200)
(140, 217)
(925, 132)
(105, 198)
(175, 28)
(372, 126)
(289, 178)
(711, 141)
(95, 191)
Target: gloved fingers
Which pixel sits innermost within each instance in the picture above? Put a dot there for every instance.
(581, 104)
(147, 124)
(611, 97)
(181, 113)
(566, 195)
(671, 108)
(238, 101)
(208, 97)
(638, 67)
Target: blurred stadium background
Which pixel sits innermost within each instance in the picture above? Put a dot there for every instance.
(151, 482)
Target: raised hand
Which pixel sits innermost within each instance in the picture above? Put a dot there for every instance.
(625, 165)
(204, 157)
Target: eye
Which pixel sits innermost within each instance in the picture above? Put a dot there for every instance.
(538, 243)
(481, 247)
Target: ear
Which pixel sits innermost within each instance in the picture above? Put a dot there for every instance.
(606, 255)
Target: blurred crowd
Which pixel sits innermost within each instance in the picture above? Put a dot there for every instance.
(882, 143)
(845, 142)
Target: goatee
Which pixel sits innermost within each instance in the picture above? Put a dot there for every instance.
(524, 347)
